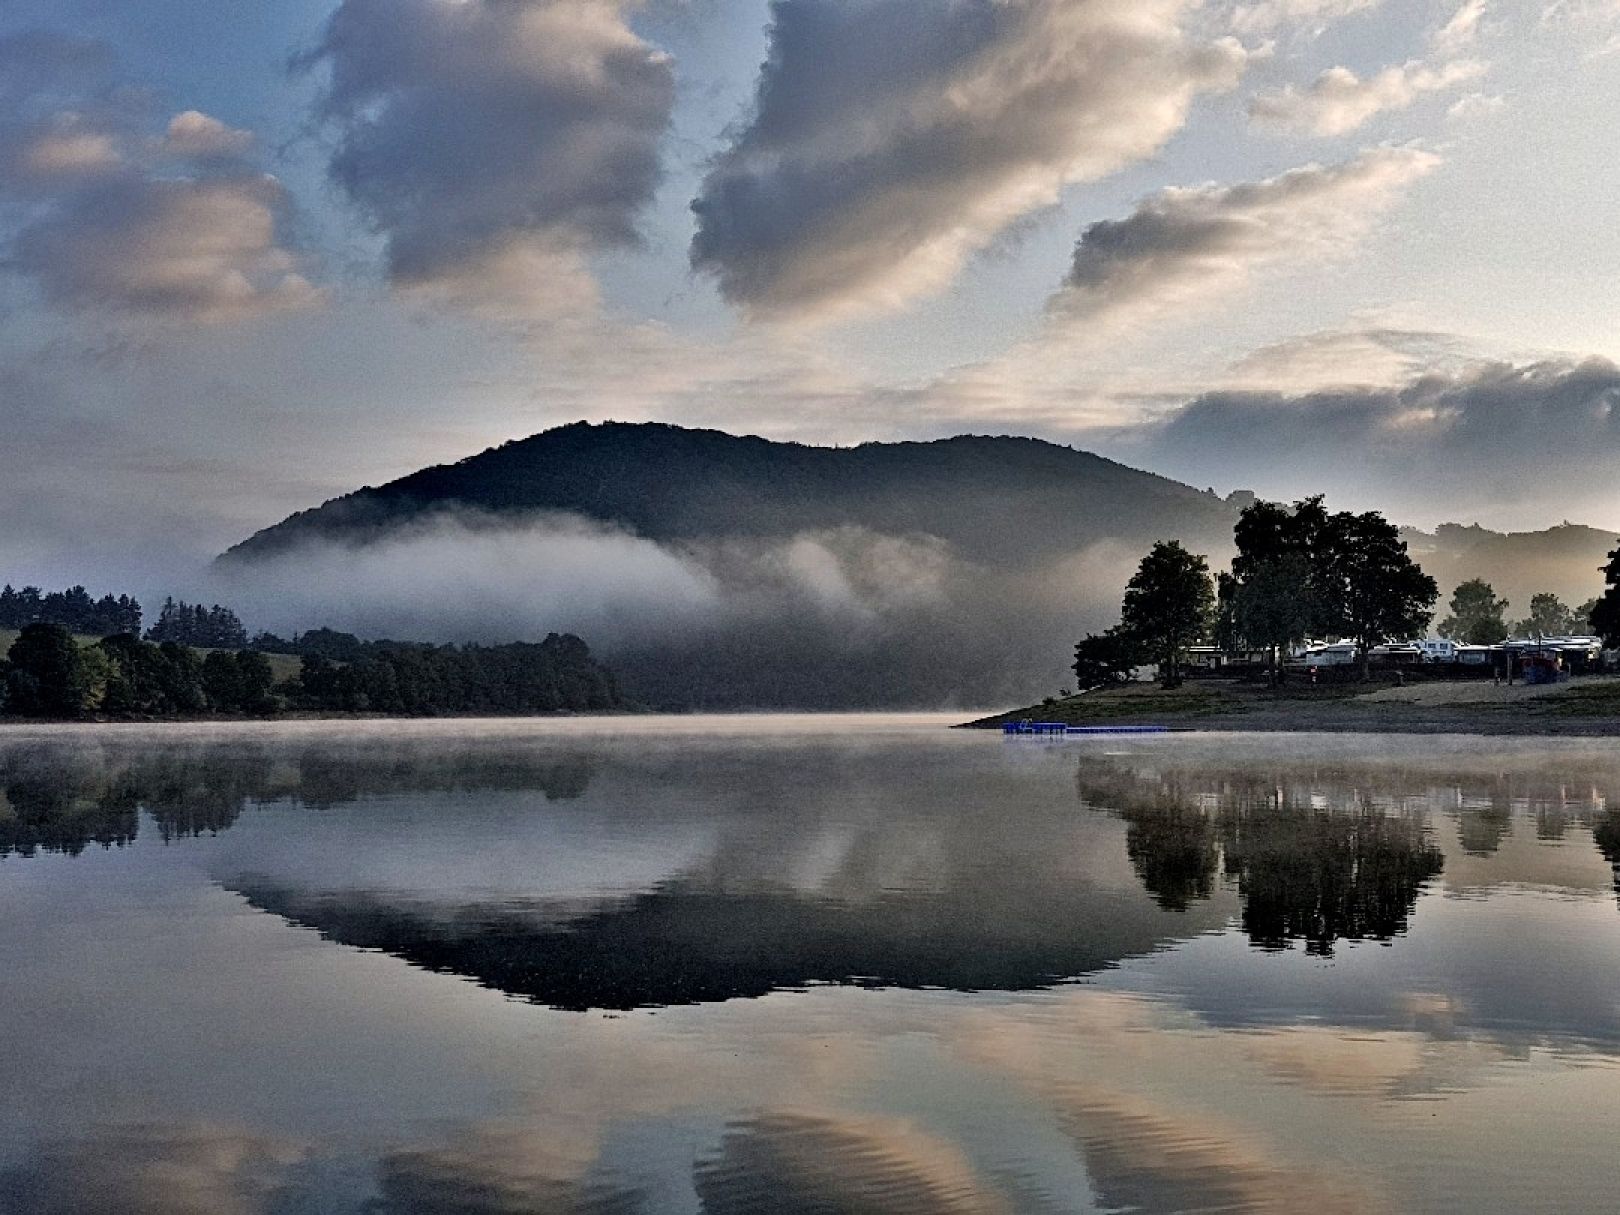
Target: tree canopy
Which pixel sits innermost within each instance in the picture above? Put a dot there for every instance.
(1169, 603)
(1476, 615)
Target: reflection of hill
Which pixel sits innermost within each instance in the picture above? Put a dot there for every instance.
(63, 798)
(1305, 870)
(691, 941)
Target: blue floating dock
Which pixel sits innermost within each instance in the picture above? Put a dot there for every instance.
(1047, 729)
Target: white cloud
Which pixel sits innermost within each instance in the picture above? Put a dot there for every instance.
(1190, 245)
(1475, 105)
(193, 134)
(1311, 16)
(892, 140)
(1339, 101)
(105, 220)
(1462, 29)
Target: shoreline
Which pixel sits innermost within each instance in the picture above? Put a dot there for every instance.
(1587, 707)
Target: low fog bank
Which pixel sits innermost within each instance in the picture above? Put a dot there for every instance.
(837, 618)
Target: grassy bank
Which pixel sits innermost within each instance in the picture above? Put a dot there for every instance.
(1589, 706)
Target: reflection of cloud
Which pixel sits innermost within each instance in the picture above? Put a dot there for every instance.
(1150, 1157)
(492, 1173)
(193, 1169)
(798, 1164)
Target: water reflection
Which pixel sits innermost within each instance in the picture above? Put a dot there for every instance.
(907, 918)
(66, 797)
(1305, 869)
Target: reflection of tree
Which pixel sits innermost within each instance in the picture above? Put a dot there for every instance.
(1606, 834)
(1175, 853)
(63, 798)
(1316, 873)
(1483, 825)
(43, 808)
(1322, 877)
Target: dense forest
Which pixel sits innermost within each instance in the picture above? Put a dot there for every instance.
(73, 609)
(49, 674)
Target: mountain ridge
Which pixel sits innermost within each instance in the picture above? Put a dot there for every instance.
(667, 482)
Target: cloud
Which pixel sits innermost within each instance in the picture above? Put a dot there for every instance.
(199, 250)
(1475, 105)
(1186, 245)
(196, 136)
(891, 140)
(1269, 16)
(494, 141)
(1339, 101)
(102, 217)
(1462, 28)
(1486, 440)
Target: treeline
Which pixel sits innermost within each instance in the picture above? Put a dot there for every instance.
(554, 675)
(73, 609)
(48, 674)
(1302, 572)
(216, 627)
(1478, 617)
(1299, 572)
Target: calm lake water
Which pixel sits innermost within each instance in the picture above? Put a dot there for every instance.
(804, 965)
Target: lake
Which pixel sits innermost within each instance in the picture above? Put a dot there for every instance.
(804, 964)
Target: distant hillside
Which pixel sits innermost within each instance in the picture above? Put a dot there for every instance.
(717, 571)
(736, 572)
(1564, 560)
(995, 499)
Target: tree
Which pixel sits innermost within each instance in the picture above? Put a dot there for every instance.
(1605, 617)
(1105, 658)
(1549, 617)
(49, 676)
(1476, 615)
(1373, 589)
(1168, 604)
(1583, 616)
(1272, 608)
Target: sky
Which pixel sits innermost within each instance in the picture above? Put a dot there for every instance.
(253, 255)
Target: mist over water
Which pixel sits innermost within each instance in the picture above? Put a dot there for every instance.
(773, 963)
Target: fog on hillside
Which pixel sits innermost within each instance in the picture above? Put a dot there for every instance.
(829, 618)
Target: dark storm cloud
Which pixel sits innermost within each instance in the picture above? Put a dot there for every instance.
(473, 132)
(890, 139)
(1481, 439)
(102, 214)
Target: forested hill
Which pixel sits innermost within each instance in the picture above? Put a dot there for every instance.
(995, 499)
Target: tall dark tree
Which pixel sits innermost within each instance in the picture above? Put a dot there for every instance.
(1169, 604)
(1605, 616)
(1476, 615)
(48, 675)
(1373, 587)
(1276, 594)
